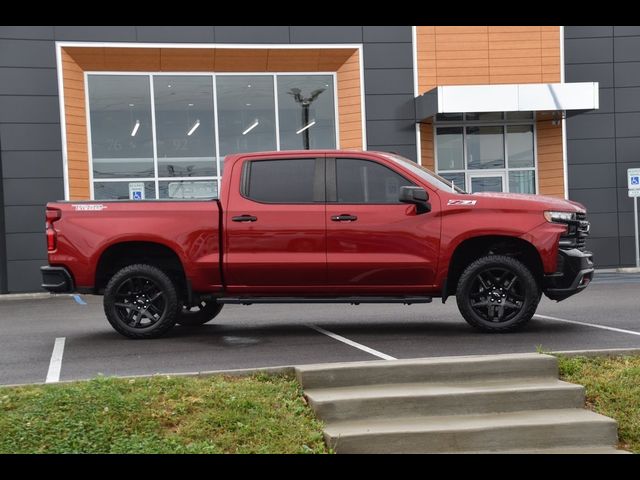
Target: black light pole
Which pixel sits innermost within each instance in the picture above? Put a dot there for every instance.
(305, 103)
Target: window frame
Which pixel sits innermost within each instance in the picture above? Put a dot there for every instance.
(219, 161)
(332, 181)
(319, 175)
(504, 123)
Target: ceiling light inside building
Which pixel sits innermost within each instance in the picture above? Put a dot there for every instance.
(194, 128)
(251, 127)
(135, 128)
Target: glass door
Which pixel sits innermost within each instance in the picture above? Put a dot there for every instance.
(486, 182)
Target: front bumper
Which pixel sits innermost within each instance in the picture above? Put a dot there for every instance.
(574, 273)
(56, 279)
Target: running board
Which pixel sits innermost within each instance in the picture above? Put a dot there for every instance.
(351, 300)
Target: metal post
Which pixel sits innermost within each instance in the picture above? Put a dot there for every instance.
(635, 220)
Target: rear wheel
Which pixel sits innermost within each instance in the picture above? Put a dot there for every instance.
(497, 294)
(140, 301)
(199, 314)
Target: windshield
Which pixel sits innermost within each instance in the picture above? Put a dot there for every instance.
(435, 180)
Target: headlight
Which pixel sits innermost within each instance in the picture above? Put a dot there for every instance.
(561, 217)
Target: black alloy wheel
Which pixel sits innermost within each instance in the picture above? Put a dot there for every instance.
(199, 314)
(140, 301)
(497, 293)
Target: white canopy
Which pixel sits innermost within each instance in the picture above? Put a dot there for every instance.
(522, 97)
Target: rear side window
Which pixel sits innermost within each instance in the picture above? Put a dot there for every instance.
(362, 181)
(280, 181)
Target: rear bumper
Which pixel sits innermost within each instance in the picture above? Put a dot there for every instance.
(575, 272)
(56, 279)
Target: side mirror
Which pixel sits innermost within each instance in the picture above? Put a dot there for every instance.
(417, 196)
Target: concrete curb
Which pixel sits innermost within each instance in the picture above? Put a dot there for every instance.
(241, 372)
(31, 296)
(605, 352)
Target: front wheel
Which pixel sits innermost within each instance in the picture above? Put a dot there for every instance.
(199, 314)
(140, 301)
(497, 293)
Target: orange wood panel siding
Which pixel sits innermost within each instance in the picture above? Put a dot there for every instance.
(77, 60)
(471, 55)
(550, 163)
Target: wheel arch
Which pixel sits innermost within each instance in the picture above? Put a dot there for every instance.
(120, 254)
(476, 247)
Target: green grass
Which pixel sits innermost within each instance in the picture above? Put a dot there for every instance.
(613, 389)
(258, 414)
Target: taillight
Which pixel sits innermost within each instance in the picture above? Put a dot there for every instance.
(53, 214)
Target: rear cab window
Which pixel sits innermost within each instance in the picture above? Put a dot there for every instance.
(284, 181)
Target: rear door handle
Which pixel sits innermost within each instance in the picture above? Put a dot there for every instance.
(344, 218)
(245, 218)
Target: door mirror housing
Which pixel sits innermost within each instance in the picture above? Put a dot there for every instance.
(417, 196)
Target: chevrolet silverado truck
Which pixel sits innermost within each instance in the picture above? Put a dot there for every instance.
(318, 227)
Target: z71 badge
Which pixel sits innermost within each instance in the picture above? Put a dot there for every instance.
(91, 207)
(462, 202)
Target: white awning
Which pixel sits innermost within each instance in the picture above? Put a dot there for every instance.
(524, 97)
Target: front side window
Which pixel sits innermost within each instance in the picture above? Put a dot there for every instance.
(363, 181)
(487, 151)
(280, 181)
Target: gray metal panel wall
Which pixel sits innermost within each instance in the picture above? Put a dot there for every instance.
(30, 141)
(601, 145)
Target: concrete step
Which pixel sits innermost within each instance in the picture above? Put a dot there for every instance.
(414, 399)
(563, 451)
(523, 430)
(477, 367)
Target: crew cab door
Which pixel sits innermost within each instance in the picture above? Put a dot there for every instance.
(375, 244)
(274, 224)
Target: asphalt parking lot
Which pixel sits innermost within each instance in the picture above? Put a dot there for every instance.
(608, 316)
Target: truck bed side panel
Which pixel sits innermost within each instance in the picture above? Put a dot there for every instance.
(189, 228)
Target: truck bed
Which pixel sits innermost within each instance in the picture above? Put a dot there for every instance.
(191, 228)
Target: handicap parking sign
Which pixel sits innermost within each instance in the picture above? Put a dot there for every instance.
(634, 178)
(136, 191)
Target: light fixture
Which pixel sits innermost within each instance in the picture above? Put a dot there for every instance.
(131, 105)
(194, 128)
(249, 86)
(191, 104)
(248, 104)
(135, 128)
(306, 127)
(169, 85)
(251, 127)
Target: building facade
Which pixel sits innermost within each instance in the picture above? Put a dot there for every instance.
(150, 112)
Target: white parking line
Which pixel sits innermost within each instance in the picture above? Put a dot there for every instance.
(53, 375)
(594, 325)
(357, 345)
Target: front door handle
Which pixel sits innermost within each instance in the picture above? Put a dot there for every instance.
(245, 218)
(344, 218)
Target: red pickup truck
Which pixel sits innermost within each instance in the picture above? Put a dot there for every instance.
(319, 227)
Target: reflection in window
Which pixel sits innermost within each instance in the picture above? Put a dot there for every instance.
(458, 179)
(306, 112)
(485, 147)
(246, 113)
(450, 148)
(178, 189)
(122, 190)
(362, 181)
(520, 146)
(185, 126)
(522, 181)
(121, 134)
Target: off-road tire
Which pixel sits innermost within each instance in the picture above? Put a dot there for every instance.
(479, 287)
(140, 283)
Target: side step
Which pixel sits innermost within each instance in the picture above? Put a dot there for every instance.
(351, 300)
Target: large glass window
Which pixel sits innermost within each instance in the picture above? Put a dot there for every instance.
(165, 136)
(121, 131)
(471, 147)
(246, 112)
(363, 181)
(281, 181)
(185, 131)
(306, 112)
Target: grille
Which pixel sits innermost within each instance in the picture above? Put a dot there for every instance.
(578, 231)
